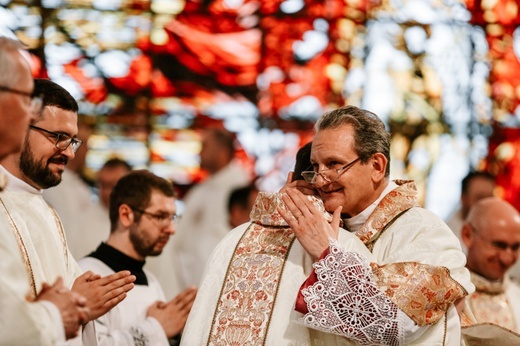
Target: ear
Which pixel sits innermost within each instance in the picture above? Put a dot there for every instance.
(466, 235)
(378, 161)
(126, 215)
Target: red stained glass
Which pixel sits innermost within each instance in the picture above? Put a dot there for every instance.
(505, 12)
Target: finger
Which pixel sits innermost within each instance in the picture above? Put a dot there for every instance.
(336, 219)
(289, 177)
(290, 204)
(110, 279)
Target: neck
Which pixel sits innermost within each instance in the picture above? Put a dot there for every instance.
(12, 164)
(120, 241)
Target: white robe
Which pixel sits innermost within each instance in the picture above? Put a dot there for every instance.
(43, 241)
(127, 324)
(22, 323)
(203, 224)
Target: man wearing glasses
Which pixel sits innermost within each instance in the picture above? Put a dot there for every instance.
(404, 291)
(49, 144)
(491, 233)
(142, 213)
(54, 314)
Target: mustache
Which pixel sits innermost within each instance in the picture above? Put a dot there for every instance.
(60, 159)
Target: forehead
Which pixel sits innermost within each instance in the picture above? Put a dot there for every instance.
(159, 201)
(481, 186)
(57, 119)
(337, 143)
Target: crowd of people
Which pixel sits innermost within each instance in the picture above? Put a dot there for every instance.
(341, 255)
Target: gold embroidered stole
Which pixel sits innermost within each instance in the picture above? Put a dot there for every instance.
(489, 303)
(23, 248)
(249, 291)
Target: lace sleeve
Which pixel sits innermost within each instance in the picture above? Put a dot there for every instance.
(345, 300)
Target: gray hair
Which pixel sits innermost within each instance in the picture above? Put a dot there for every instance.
(8, 46)
(370, 134)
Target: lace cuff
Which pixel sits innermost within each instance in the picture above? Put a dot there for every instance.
(341, 297)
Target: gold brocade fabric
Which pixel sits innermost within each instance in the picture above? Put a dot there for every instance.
(389, 208)
(249, 291)
(489, 302)
(424, 292)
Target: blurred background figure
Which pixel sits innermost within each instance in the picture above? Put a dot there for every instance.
(108, 176)
(474, 187)
(205, 219)
(240, 203)
(491, 234)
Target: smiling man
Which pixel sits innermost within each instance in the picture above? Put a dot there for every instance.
(48, 146)
(492, 234)
(408, 284)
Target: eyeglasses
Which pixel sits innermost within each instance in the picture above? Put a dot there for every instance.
(497, 245)
(36, 101)
(163, 219)
(62, 140)
(329, 175)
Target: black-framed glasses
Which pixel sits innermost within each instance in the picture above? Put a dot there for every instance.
(329, 175)
(164, 219)
(497, 245)
(36, 101)
(62, 140)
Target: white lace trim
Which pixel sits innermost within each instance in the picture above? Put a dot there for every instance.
(345, 301)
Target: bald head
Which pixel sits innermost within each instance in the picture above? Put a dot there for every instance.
(492, 235)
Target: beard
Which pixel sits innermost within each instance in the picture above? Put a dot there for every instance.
(39, 171)
(143, 245)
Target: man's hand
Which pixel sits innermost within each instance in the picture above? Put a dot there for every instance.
(308, 223)
(103, 293)
(172, 316)
(301, 185)
(70, 304)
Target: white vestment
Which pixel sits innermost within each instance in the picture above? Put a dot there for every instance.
(417, 236)
(203, 224)
(85, 221)
(126, 324)
(41, 241)
(21, 322)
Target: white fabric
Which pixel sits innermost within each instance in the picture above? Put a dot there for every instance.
(284, 328)
(127, 324)
(204, 223)
(48, 253)
(22, 323)
(85, 221)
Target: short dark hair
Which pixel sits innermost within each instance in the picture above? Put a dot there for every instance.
(240, 196)
(303, 161)
(473, 175)
(54, 95)
(116, 162)
(135, 190)
(370, 134)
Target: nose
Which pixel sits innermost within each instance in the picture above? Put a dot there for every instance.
(69, 152)
(170, 229)
(508, 257)
(320, 181)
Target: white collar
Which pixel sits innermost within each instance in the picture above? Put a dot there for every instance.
(355, 222)
(15, 184)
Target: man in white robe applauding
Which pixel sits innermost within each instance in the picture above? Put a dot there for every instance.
(55, 313)
(142, 211)
(404, 293)
(49, 144)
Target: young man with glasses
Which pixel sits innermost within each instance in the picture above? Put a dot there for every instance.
(142, 213)
(55, 313)
(491, 233)
(408, 284)
(49, 144)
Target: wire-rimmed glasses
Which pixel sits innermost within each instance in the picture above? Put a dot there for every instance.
(62, 140)
(163, 219)
(329, 175)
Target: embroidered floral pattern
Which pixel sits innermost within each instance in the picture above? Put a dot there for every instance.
(243, 313)
(140, 338)
(394, 203)
(424, 292)
(489, 303)
(347, 302)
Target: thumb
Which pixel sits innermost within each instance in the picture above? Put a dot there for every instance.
(289, 177)
(336, 218)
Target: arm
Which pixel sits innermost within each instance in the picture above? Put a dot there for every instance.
(384, 288)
